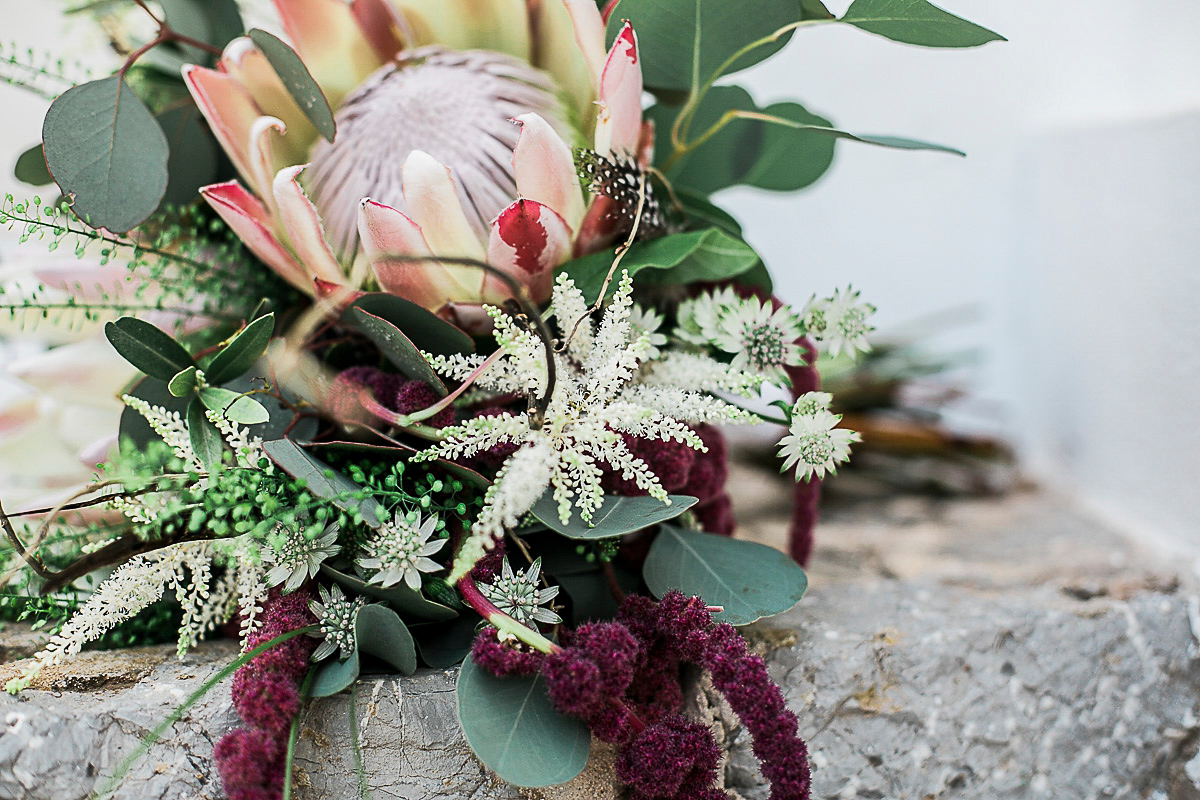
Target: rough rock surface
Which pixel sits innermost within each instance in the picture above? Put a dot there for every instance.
(981, 649)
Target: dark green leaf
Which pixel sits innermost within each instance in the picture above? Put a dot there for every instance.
(514, 730)
(707, 255)
(104, 147)
(397, 347)
(224, 20)
(187, 17)
(195, 158)
(469, 475)
(297, 80)
(750, 580)
(323, 481)
(31, 167)
(616, 516)
(148, 348)
(442, 646)
(241, 353)
(917, 22)
(379, 632)
(184, 383)
(207, 443)
(814, 9)
(427, 330)
(239, 408)
(591, 596)
(702, 213)
(409, 602)
(672, 47)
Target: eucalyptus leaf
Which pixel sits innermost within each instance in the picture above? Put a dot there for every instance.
(409, 602)
(240, 408)
(706, 255)
(323, 481)
(699, 208)
(683, 42)
(297, 80)
(814, 9)
(397, 347)
(333, 676)
(750, 580)
(31, 167)
(195, 158)
(242, 351)
(184, 382)
(188, 18)
(425, 329)
(917, 22)
(104, 148)
(206, 440)
(616, 516)
(224, 20)
(515, 731)
(148, 348)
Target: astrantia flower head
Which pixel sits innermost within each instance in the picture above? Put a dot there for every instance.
(811, 404)
(401, 550)
(698, 320)
(517, 594)
(814, 443)
(335, 614)
(840, 322)
(647, 321)
(762, 340)
(297, 554)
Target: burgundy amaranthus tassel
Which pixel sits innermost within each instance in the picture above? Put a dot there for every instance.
(266, 694)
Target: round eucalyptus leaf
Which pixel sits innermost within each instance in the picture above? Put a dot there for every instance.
(31, 167)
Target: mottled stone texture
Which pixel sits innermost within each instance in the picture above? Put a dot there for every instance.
(984, 650)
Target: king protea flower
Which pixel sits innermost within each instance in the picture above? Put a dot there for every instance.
(454, 119)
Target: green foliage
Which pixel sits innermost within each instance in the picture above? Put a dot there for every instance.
(616, 516)
(401, 598)
(237, 357)
(750, 580)
(917, 22)
(39, 73)
(195, 157)
(377, 632)
(515, 731)
(296, 79)
(396, 347)
(423, 328)
(31, 167)
(104, 147)
(148, 348)
(325, 482)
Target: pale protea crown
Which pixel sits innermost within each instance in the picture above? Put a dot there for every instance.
(456, 120)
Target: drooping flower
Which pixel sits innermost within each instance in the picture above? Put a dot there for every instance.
(516, 593)
(296, 555)
(335, 615)
(814, 444)
(401, 550)
(427, 160)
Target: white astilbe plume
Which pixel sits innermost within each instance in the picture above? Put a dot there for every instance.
(595, 400)
(700, 372)
(251, 594)
(168, 425)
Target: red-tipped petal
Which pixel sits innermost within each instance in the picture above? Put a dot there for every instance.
(383, 26)
(303, 226)
(250, 220)
(387, 232)
(619, 124)
(528, 241)
(609, 7)
(333, 46)
(229, 109)
(545, 169)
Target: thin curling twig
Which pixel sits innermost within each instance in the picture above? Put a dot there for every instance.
(31, 558)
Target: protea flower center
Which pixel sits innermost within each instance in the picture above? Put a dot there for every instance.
(457, 106)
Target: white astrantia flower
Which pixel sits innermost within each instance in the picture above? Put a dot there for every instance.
(647, 321)
(847, 323)
(697, 320)
(400, 551)
(761, 339)
(595, 400)
(517, 594)
(296, 555)
(335, 615)
(814, 444)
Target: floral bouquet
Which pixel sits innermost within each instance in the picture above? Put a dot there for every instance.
(428, 326)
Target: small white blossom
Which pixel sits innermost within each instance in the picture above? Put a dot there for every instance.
(517, 594)
(169, 426)
(697, 319)
(401, 550)
(761, 339)
(336, 615)
(645, 321)
(840, 322)
(814, 443)
(297, 554)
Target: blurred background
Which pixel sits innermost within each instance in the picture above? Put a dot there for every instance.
(1061, 257)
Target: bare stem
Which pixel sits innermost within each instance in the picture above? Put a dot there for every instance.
(501, 621)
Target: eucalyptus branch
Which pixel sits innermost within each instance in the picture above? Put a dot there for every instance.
(165, 34)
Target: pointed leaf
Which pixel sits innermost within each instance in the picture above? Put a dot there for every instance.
(297, 80)
(515, 731)
(188, 18)
(206, 440)
(814, 9)
(184, 383)
(104, 147)
(750, 580)
(241, 352)
(409, 602)
(148, 348)
(239, 408)
(427, 330)
(707, 255)
(917, 22)
(616, 516)
(31, 167)
(397, 347)
(323, 481)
